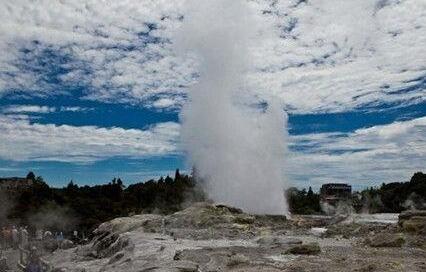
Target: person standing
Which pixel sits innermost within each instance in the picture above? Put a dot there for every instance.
(24, 238)
(60, 239)
(2, 238)
(39, 234)
(75, 236)
(15, 238)
(34, 262)
(8, 236)
(47, 235)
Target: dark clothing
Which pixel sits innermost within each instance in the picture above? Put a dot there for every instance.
(34, 263)
(33, 267)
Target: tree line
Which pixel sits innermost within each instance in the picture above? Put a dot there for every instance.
(388, 198)
(85, 207)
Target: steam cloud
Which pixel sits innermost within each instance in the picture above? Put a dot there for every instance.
(237, 148)
(5, 205)
(53, 217)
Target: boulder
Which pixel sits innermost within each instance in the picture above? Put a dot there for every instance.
(386, 240)
(409, 214)
(304, 249)
(67, 244)
(367, 268)
(50, 245)
(274, 241)
(147, 222)
(205, 215)
(110, 245)
(244, 219)
(413, 221)
(112, 237)
(416, 225)
(229, 208)
(117, 257)
(237, 259)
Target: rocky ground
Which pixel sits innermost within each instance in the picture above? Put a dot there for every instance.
(209, 237)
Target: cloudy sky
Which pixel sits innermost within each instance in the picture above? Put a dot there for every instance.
(91, 90)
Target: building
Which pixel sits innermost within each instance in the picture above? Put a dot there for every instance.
(15, 184)
(333, 193)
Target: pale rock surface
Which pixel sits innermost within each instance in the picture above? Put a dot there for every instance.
(206, 237)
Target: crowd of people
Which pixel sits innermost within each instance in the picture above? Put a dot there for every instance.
(13, 237)
(20, 237)
(33, 243)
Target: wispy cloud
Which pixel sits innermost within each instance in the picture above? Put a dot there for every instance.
(321, 58)
(163, 103)
(22, 141)
(366, 156)
(118, 51)
(8, 169)
(28, 109)
(36, 109)
(75, 109)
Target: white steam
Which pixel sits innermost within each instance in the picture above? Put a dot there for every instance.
(238, 149)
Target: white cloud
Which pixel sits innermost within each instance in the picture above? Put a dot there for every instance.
(22, 141)
(364, 157)
(332, 55)
(163, 103)
(8, 169)
(21, 110)
(28, 109)
(75, 109)
(104, 45)
(344, 54)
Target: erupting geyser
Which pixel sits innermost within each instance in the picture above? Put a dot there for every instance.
(237, 148)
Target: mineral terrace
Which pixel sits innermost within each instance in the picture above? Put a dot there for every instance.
(207, 237)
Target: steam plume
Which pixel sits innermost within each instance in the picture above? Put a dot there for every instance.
(237, 148)
(5, 205)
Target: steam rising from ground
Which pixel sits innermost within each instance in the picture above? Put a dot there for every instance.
(53, 217)
(5, 205)
(238, 149)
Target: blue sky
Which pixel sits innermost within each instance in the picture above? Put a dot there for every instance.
(90, 91)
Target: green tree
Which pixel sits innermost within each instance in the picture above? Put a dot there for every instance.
(31, 176)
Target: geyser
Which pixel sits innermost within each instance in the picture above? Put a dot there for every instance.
(237, 147)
